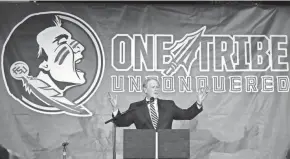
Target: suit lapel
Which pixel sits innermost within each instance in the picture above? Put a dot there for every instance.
(147, 114)
(160, 112)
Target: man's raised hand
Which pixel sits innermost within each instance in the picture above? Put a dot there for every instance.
(113, 101)
(202, 94)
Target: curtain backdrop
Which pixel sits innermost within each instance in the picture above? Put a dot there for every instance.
(124, 43)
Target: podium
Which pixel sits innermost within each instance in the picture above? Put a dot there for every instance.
(152, 144)
(139, 144)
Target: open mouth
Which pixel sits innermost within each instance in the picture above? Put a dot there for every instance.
(76, 65)
(78, 61)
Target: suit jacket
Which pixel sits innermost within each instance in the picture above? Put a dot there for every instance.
(167, 109)
(4, 154)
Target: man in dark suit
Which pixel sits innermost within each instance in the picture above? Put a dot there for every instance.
(288, 154)
(7, 153)
(4, 154)
(155, 113)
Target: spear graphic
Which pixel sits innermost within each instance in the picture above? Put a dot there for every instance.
(183, 52)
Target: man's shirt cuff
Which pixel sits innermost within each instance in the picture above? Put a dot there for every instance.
(115, 113)
(199, 106)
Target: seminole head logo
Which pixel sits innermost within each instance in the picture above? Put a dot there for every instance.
(52, 63)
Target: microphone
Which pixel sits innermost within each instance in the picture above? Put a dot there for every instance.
(64, 144)
(64, 149)
(120, 115)
(151, 99)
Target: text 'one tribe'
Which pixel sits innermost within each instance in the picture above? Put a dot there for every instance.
(232, 53)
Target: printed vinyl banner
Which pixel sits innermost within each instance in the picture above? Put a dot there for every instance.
(59, 62)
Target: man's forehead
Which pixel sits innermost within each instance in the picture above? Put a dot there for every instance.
(53, 32)
(153, 82)
(58, 32)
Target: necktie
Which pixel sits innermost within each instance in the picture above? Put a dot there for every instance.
(154, 116)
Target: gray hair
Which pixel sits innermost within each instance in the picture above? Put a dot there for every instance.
(149, 79)
(57, 22)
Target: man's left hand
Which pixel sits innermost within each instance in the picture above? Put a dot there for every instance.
(201, 94)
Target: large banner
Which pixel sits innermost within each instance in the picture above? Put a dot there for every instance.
(59, 61)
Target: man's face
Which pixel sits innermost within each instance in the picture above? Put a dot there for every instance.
(63, 54)
(152, 89)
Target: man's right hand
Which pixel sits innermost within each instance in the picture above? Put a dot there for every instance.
(113, 101)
